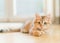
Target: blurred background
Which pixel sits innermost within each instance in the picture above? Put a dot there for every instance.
(21, 10)
(13, 13)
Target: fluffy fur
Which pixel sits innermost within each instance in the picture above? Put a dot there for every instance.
(37, 26)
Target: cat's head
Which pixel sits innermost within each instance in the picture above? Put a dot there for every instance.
(42, 22)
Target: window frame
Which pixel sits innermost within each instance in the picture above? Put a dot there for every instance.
(17, 18)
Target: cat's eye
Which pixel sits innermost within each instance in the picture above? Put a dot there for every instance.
(45, 23)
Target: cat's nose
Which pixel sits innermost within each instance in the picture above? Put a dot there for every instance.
(41, 26)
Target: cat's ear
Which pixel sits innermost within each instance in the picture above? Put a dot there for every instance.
(49, 16)
(37, 16)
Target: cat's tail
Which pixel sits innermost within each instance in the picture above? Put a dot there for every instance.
(10, 30)
(15, 30)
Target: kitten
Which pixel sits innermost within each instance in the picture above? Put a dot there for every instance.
(37, 26)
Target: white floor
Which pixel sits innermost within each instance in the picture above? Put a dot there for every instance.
(18, 37)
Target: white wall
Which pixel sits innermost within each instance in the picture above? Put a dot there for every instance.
(57, 8)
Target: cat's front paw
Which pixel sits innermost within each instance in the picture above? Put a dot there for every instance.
(36, 33)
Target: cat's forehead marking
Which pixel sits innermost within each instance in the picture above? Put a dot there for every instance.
(43, 17)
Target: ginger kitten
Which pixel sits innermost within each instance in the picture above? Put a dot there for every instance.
(38, 25)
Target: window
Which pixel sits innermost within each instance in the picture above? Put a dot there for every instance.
(3, 15)
(2, 12)
(20, 10)
(27, 8)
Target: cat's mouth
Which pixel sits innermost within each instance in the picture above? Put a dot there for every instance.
(39, 29)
